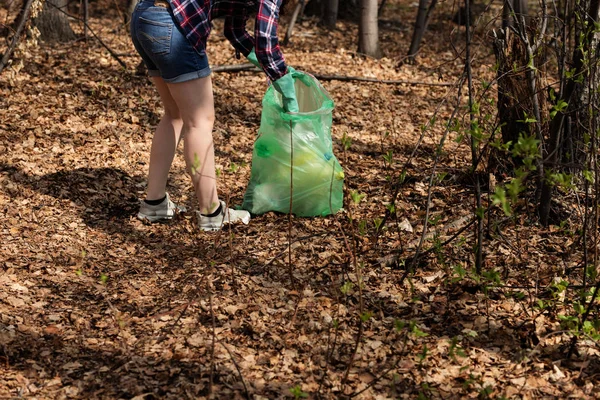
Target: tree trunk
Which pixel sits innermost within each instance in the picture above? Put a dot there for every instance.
(53, 23)
(512, 92)
(330, 13)
(584, 94)
(576, 94)
(368, 30)
(290, 28)
(420, 26)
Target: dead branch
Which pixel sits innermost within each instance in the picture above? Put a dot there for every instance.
(23, 17)
(235, 68)
(375, 80)
(290, 269)
(87, 27)
(111, 51)
(237, 367)
(213, 343)
(461, 223)
(251, 68)
(288, 33)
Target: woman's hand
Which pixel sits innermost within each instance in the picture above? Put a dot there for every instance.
(285, 86)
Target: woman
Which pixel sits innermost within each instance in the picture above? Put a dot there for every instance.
(170, 36)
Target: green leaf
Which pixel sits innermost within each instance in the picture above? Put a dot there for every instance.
(499, 198)
(297, 392)
(357, 197)
(378, 222)
(346, 287)
(366, 316)
(399, 325)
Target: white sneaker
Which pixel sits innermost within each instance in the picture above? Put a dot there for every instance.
(160, 212)
(227, 216)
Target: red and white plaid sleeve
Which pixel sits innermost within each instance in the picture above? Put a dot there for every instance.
(266, 42)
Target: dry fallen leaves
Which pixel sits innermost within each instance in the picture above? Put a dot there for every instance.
(95, 304)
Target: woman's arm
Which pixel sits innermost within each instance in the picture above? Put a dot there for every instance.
(235, 32)
(266, 42)
(192, 17)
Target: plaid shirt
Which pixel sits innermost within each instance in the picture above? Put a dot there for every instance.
(194, 18)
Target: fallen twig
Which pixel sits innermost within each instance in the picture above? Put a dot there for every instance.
(290, 269)
(324, 77)
(235, 68)
(393, 259)
(212, 346)
(237, 367)
(375, 80)
(23, 17)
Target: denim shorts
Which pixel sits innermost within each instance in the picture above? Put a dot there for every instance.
(163, 47)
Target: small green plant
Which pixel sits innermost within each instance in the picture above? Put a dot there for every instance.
(233, 168)
(562, 180)
(346, 288)
(366, 316)
(298, 393)
(458, 273)
(485, 392)
(414, 329)
(455, 350)
(399, 325)
(560, 106)
(558, 288)
(527, 149)
(391, 208)
(357, 197)
(388, 158)
(423, 354)
(362, 227)
(377, 222)
(346, 143)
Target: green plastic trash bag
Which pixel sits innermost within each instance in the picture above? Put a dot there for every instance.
(299, 141)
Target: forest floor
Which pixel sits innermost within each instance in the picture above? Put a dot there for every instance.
(96, 304)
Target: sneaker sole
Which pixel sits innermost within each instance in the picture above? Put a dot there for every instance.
(154, 218)
(209, 229)
(213, 228)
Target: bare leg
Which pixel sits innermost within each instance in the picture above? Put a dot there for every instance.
(164, 143)
(195, 102)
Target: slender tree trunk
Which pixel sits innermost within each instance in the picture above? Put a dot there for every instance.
(290, 29)
(558, 126)
(86, 18)
(368, 31)
(421, 23)
(330, 13)
(53, 23)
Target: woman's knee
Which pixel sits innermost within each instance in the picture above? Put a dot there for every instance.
(172, 112)
(204, 119)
